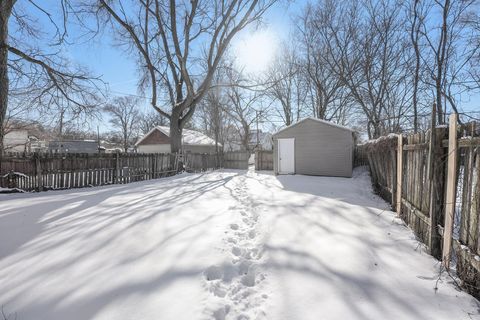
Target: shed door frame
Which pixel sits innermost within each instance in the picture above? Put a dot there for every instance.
(291, 154)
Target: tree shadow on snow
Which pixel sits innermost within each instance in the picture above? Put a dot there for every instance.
(47, 228)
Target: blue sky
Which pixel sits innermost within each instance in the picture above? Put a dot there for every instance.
(119, 70)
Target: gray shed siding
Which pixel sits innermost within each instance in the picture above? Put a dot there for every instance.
(320, 149)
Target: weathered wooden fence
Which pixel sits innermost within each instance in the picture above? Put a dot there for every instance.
(236, 160)
(381, 156)
(463, 213)
(264, 160)
(198, 162)
(433, 181)
(39, 172)
(360, 157)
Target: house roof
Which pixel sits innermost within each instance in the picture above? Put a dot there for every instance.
(261, 136)
(189, 137)
(317, 120)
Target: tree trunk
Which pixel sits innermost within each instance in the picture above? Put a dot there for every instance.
(414, 34)
(5, 12)
(175, 134)
(441, 63)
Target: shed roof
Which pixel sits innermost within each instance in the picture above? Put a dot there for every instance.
(189, 137)
(316, 120)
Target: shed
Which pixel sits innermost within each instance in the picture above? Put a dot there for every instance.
(314, 147)
(157, 140)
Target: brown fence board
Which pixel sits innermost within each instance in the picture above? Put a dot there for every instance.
(236, 160)
(263, 160)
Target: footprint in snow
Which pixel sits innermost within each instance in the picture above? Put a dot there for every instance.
(221, 313)
(213, 273)
(237, 251)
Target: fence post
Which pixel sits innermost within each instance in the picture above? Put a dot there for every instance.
(435, 171)
(451, 189)
(399, 173)
(115, 170)
(38, 170)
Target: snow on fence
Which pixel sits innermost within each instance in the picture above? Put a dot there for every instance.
(264, 160)
(29, 172)
(433, 182)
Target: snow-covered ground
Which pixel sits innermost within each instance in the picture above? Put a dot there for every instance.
(221, 245)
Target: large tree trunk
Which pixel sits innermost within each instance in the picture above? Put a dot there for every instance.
(5, 12)
(175, 134)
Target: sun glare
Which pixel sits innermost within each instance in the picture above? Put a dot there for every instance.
(255, 51)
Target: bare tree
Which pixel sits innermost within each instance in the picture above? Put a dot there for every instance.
(243, 107)
(286, 86)
(151, 119)
(214, 120)
(124, 116)
(179, 45)
(27, 63)
(328, 97)
(416, 22)
(367, 45)
(452, 48)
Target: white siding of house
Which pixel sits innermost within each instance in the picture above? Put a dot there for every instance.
(16, 140)
(153, 148)
(199, 148)
(165, 148)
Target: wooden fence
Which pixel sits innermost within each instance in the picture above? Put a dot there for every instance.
(360, 157)
(263, 160)
(198, 162)
(236, 160)
(38, 172)
(433, 183)
(29, 172)
(381, 156)
(463, 205)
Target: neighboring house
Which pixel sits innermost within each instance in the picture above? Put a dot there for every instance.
(233, 142)
(73, 146)
(264, 141)
(111, 147)
(16, 140)
(315, 147)
(37, 145)
(158, 141)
